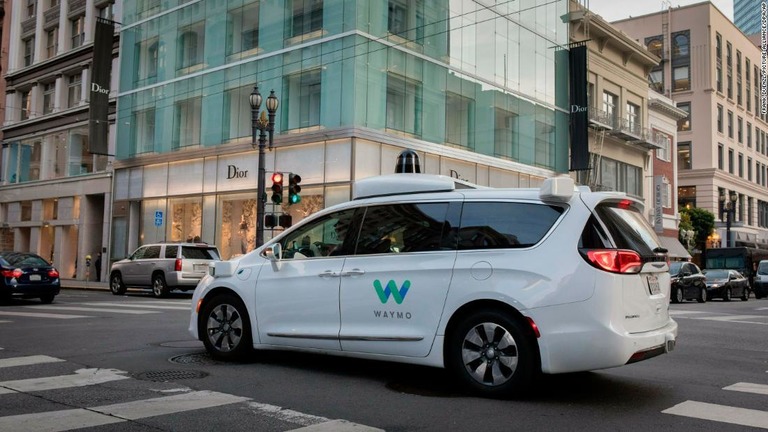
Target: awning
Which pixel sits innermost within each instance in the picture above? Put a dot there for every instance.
(674, 247)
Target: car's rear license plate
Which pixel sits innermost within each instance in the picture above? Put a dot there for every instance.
(201, 268)
(653, 285)
(34, 278)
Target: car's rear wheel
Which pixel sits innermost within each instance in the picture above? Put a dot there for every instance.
(116, 284)
(727, 294)
(702, 298)
(745, 294)
(159, 287)
(47, 299)
(492, 354)
(225, 328)
(677, 296)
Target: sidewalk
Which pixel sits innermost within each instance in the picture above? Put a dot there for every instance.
(81, 284)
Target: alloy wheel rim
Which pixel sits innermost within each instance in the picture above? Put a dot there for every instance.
(224, 328)
(489, 353)
(679, 295)
(157, 287)
(115, 285)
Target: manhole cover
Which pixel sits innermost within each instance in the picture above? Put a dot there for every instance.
(202, 358)
(170, 375)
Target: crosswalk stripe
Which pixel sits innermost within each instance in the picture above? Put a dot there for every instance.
(744, 319)
(58, 421)
(286, 415)
(682, 312)
(720, 413)
(162, 302)
(93, 309)
(4, 321)
(749, 388)
(135, 306)
(42, 315)
(81, 378)
(28, 360)
(337, 426)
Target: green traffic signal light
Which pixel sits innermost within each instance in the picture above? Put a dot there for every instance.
(294, 188)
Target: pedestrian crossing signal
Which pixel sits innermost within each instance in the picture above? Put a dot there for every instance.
(277, 188)
(294, 188)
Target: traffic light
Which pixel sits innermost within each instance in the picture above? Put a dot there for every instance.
(277, 188)
(294, 188)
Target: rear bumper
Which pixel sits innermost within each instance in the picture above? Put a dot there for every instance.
(178, 279)
(29, 291)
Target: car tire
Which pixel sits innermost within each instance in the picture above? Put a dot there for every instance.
(159, 286)
(116, 284)
(702, 298)
(47, 299)
(492, 338)
(727, 294)
(745, 294)
(677, 296)
(225, 328)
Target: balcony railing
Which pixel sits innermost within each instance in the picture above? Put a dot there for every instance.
(600, 119)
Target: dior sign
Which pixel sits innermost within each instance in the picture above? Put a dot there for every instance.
(233, 172)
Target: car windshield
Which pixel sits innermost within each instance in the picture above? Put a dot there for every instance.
(24, 259)
(191, 252)
(762, 269)
(717, 274)
(674, 267)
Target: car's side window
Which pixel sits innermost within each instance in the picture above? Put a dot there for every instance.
(139, 253)
(171, 251)
(406, 227)
(152, 252)
(330, 235)
(495, 225)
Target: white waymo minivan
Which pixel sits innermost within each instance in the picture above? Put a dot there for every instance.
(497, 285)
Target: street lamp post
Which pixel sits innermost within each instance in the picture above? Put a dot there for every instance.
(729, 208)
(262, 123)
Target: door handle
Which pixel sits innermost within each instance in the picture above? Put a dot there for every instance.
(328, 273)
(353, 272)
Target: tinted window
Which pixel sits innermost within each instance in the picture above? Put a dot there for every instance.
(171, 251)
(152, 252)
(139, 253)
(333, 234)
(674, 267)
(628, 228)
(199, 253)
(24, 259)
(398, 228)
(505, 225)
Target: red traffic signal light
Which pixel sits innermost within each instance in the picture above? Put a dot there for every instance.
(294, 188)
(277, 188)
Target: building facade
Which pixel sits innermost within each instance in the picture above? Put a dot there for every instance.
(470, 88)
(747, 15)
(54, 194)
(712, 70)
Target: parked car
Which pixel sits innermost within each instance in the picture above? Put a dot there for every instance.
(725, 283)
(760, 285)
(688, 282)
(26, 275)
(163, 267)
(497, 285)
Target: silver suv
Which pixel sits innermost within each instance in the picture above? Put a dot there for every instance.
(163, 267)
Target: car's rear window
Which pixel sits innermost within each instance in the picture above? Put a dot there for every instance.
(24, 259)
(191, 252)
(628, 228)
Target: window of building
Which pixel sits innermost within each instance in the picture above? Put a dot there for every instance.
(720, 157)
(655, 45)
(459, 120)
(49, 93)
(633, 118)
(609, 107)
(741, 165)
(26, 105)
(663, 141)
(52, 42)
(404, 104)
(243, 29)
(29, 51)
(237, 115)
(680, 44)
(79, 159)
(147, 8)
(306, 17)
(148, 57)
(619, 176)
(749, 168)
(749, 135)
(718, 46)
(684, 124)
(23, 163)
(78, 31)
(728, 51)
(191, 42)
(107, 11)
(684, 155)
(738, 92)
(187, 122)
(31, 6)
(730, 124)
(405, 18)
(719, 78)
(720, 118)
(74, 90)
(656, 80)
(303, 92)
(686, 196)
(681, 78)
(505, 134)
(731, 161)
(747, 70)
(144, 133)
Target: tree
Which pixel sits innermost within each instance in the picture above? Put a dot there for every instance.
(702, 222)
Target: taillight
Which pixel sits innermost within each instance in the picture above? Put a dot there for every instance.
(15, 273)
(53, 273)
(178, 265)
(615, 261)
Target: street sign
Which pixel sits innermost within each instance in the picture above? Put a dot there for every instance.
(158, 218)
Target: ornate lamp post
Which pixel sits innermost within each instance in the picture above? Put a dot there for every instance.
(728, 206)
(262, 123)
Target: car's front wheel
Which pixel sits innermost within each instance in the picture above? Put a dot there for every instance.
(492, 354)
(727, 294)
(116, 284)
(677, 296)
(159, 287)
(702, 298)
(225, 328)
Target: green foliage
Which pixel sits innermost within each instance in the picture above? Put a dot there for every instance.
(702, 221)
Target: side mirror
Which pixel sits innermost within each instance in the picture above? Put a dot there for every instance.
(274, 252)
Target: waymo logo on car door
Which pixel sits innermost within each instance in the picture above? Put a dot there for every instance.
(391, 289)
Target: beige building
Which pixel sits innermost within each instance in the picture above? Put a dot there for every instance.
(621, 138)
(711, 69)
